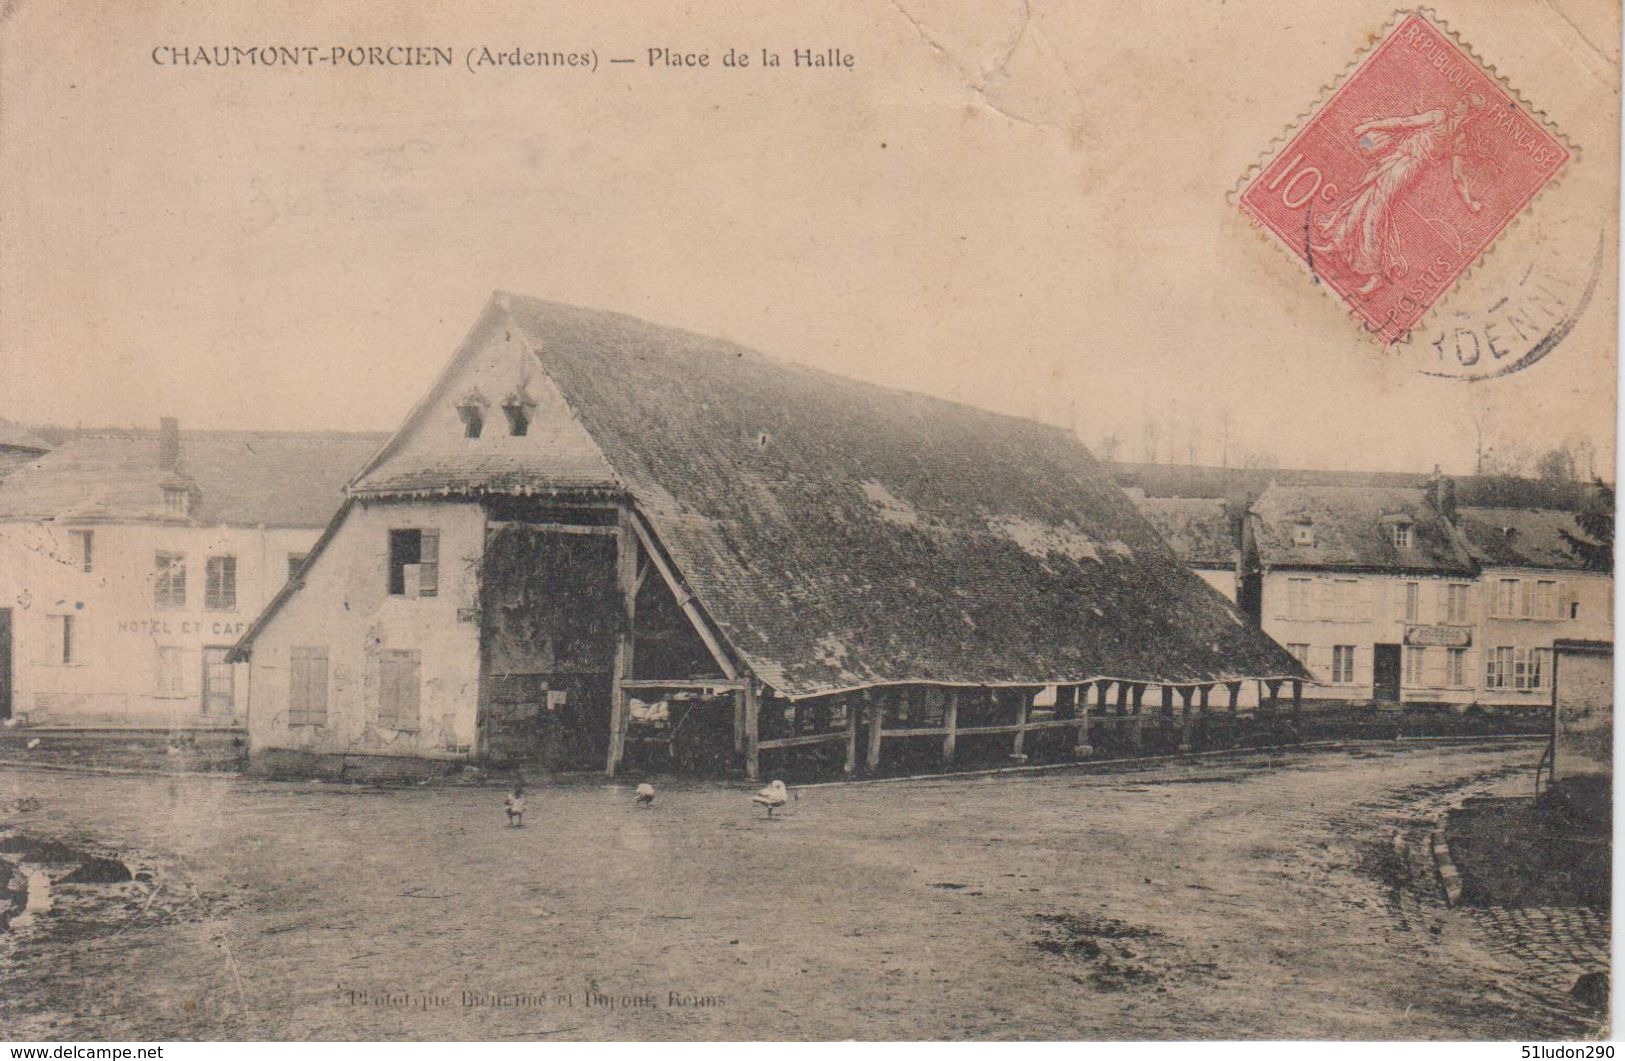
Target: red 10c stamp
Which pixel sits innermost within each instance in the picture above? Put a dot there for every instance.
(1404, 177)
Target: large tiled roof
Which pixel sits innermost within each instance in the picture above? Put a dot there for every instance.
(248, 478)
(1352, 530)
(1518, 537)
(1198, 529)
(842, 535)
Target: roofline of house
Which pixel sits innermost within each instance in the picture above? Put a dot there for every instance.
(1486, 567)
(243, 647)
(150, 521)
(496, 301)
(1374, 569)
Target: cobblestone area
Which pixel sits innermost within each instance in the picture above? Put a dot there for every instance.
(1538, 950)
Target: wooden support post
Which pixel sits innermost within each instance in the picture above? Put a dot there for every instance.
(1137, 728)
(1235, 697)
(851, 735)
(1083, 749)
(1168, 701)
(1202, 711)
(1122, 698)
(950, 722)
(1185, 717)
(752, 699)
(1297, 699)
(1023, 700)
(1273, 699)
(877, 721)
(626, 582)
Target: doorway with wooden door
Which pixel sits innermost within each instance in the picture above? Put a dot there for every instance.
(219, 683)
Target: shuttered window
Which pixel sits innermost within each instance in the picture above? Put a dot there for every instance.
(1520, 669)
(1456, 667)
(220, 584)
(1342, 664)
(84, 542)
(414, 562)
(1545, 599)
(1506, 598)
(169, 583)
(1413, 602)
(398, 674)
(170, 679)
(1456, 606)
(307, 685)
(1415, 665)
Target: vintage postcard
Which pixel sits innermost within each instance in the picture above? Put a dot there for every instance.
(919, 520)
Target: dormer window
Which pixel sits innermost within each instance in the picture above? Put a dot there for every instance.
(471, 410)
(1303, 533)
(518, 408)
(177, 500)
(1400, 535)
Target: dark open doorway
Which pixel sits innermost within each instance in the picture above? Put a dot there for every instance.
(1385, 673)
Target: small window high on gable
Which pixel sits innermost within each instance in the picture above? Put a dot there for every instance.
(471, 410)
(518, 408)
(1303, 533)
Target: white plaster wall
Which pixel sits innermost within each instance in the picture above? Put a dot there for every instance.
(345, 605)
(1381, 619)
(118, 627)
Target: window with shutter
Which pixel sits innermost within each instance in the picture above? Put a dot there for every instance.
(1342, 664)
(1456, 611)
(1456, 667)
(429, 564)
(1415, 665)
(84, 542)
(398, 673)
(169, 671)
(414, 554)
(169, 583)
(307, 685)
(220, 584)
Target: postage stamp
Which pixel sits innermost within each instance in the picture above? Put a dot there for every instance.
(1400, 181)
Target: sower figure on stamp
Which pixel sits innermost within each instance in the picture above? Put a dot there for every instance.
(1361, 232)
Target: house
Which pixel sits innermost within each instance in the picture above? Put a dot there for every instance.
(18, 446)
(131, 561)
(1535, 590)
(594, 534)
(1201, 533)
(1371, 587)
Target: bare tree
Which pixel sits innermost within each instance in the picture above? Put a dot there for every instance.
(1150, 441)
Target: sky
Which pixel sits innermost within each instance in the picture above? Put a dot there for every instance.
(1022, 206)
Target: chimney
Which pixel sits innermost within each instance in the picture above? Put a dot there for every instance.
(169, 443)
(1442, 494)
